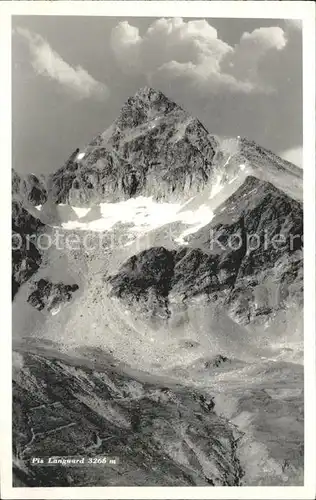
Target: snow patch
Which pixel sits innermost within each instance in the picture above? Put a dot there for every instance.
(80, 156)
(233, 179)
(143, 215)
(81, 212)
(217, 187)
(197, 219)
(55, 310)
(180, 131)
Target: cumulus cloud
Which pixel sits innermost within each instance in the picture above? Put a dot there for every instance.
(45, 61)
(252, 48)
(294, 155)
(192, 51)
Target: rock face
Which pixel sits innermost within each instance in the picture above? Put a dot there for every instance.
(31, 188)
(61, 182)
(26, 257)
(34, 190)
(28, 254)
(15, 182)
(146, 278)
(49, 295)
(247, 260)
(154, 148)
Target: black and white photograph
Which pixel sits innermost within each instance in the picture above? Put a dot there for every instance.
(157, 249)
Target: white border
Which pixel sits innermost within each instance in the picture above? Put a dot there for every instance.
(304, 10)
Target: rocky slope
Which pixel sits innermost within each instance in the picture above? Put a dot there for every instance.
(50, 295)
(26, 257)
(29, 251)
(159, 435)
(239, 261)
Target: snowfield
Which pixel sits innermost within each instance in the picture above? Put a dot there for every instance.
(143, 214)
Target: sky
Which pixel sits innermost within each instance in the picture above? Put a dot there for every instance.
(71, 76)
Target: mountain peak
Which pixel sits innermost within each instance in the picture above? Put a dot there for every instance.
(155, 148)
(149, 93)
(144, 106)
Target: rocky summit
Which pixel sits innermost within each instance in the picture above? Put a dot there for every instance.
(163, 325)
(154, 148)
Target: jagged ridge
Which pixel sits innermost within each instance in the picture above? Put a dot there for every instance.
(155, 148)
